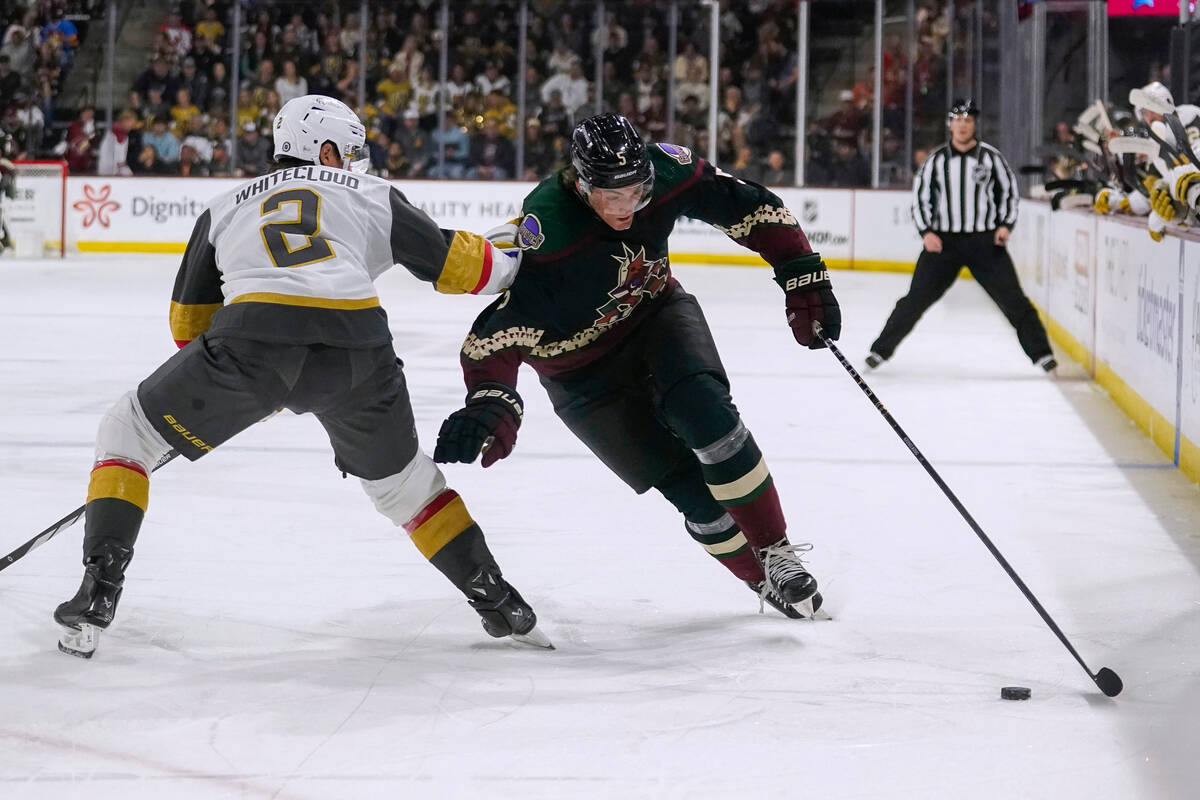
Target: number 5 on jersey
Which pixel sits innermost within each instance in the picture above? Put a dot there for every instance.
(307, 224)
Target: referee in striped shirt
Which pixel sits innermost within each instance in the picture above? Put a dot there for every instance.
(965, 205)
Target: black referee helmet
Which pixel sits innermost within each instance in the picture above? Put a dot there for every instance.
(962, 108)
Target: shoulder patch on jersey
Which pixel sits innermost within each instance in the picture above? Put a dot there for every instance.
(980, 172)
(529, 233)
(678, 152)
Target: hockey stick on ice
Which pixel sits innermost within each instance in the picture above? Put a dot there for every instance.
(61, 525)
(1107, 680)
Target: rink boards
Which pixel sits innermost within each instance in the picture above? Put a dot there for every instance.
(1128, 309)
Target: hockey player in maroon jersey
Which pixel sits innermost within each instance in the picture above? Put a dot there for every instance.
(625, 353)
(274, 306)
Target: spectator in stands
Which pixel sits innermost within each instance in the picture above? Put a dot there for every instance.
(409, 59)
(556, 120)
(258, 52)
(393, 91)
(218, 166)
(848, 166)
(690, 62)
(207, 54)
(848, 121)
(148, 162)
(646, 86)
(190, 163)
(155, 105)
(254, 152)
(395, 162)
(497, 106)
(183, 111)
(653, 121)
(696, 85)
(493, 155)
(492, 81)
(290, 49)
(218, 87)
(155, 76)
(263, 82)
(165, 143)
(82, 142)
(218, 133)
(561, 58)
(346, 89)
(733, 119)
(541, 153)
(10, 81)
(571, 86)
(194, 81)
(177, 35)
(424, 98)
(196, 137)
(291, 83)
(328, 69)
(247, 109)
(692, 115)
(416, 144)
(453, 141)
(115, 145)
(19, 45)
(776, 172)
(210, 26)
(457, 85)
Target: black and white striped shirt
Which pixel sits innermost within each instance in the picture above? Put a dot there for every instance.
(969, 192)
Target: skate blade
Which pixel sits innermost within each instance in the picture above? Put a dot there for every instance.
(79, 642)
(534, 638)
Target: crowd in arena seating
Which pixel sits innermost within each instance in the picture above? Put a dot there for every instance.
(176, 119)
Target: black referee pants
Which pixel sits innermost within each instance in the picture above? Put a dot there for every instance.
(993, 270)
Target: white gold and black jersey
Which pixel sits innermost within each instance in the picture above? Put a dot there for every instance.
(292, 256)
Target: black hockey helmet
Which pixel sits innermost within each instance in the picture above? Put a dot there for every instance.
(608, 153)
(962, 108)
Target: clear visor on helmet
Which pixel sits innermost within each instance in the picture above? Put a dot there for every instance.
(636, 195)
(356, 159)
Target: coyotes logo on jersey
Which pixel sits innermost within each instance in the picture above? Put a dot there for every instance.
(638, 278)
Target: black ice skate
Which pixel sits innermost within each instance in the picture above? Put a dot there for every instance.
(789, 587)
(93, 607)
(501, 608)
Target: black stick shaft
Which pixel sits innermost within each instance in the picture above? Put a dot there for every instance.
(61, 525)
(983, 537)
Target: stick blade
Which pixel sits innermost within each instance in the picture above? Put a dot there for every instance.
(1109, 682)
(1135, 145)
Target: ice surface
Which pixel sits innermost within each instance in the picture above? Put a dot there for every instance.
(279, 639)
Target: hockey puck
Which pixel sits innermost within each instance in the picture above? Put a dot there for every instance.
(1015, 693)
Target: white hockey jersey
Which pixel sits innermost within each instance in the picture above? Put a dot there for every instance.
(292, 257)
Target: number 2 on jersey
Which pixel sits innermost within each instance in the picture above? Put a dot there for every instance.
(307, 224)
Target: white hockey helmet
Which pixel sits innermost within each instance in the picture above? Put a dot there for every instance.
(305, 123)
(1156, 90)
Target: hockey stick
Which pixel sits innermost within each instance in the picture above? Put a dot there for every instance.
(62, 525)
(1107, 680)
(1135, 145)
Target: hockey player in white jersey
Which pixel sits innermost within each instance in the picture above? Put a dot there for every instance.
(274, 307)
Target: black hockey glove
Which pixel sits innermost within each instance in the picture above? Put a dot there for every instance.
(488, 422)
(809, 297)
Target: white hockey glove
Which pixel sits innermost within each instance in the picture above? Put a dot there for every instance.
(1108, 200)
(1139, 206)
(1184, 183)
(1156, 226)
